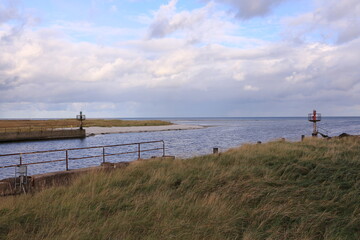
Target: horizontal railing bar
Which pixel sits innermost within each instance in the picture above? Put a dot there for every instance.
(72, 149)
(7, 166)
(148, 150)
(10, 154)
(118, 145)
(27, 153)
(50, 161)
(85, 157)
(113, 154)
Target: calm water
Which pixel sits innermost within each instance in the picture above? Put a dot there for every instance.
(223, 133)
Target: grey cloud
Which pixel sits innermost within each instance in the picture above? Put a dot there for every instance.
(7, 82)
(159, 29)
(8, 11)
(14, 32)
(336, 21)
(337, 10)
(343, 16)
(194, 26)
(349, 33)
(15, 18)
(246, 9)
(167, 20)
(161, 24)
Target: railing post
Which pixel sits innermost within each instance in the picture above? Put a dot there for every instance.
(163, 148)
(139, 151)
(20, 159)
(67, 160)
(103, 154)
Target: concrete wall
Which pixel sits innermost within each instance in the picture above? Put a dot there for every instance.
(41, 135)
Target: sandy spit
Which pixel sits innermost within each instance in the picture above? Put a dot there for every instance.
(108, 130)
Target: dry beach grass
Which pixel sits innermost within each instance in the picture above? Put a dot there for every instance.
(277, 190)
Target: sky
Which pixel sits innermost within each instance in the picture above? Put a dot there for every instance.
(179, 58)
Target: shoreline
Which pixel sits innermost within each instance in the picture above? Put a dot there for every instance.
(92, 131)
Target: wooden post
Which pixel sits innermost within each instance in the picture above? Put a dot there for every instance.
(215, 150)
(302, 137)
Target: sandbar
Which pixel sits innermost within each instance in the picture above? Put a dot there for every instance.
(108, 130)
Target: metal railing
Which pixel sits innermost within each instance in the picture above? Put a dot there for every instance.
(103, 155)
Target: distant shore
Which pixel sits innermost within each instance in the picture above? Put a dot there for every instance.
(90, 131)
(43, 125)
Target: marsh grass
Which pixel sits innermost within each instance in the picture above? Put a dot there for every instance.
(278, 190)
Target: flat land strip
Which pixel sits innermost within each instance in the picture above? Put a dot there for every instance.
(71, 123)
(278, 190)
(137, 129)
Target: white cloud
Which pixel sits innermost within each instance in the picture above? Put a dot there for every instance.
(46, 70)
(50, 70)
(250, 88)
(297, 77)
(199, 25)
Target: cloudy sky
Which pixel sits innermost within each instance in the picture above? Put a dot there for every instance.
(179, 58)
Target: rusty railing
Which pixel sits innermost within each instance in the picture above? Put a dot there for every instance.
(103, 155)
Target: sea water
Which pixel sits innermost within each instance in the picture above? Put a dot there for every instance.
(223, 133)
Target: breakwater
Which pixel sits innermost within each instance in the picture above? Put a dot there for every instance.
(41, 135)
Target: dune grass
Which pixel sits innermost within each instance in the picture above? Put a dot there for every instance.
(278, 190)
(32, 125)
